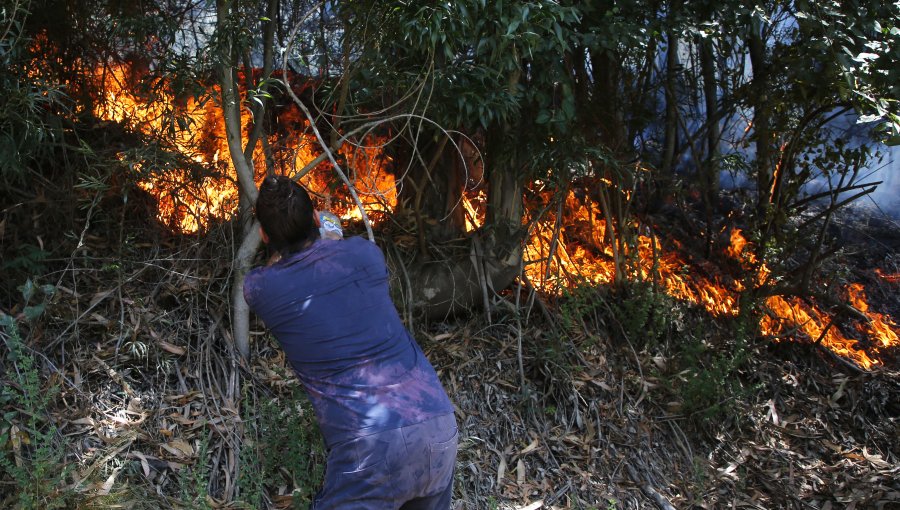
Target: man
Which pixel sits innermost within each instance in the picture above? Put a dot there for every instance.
(387, 421)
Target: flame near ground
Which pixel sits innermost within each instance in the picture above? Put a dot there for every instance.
(556, 256)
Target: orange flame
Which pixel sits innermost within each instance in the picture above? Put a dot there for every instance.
(560, 252)
(787, 318)
(215, 198)
(892, 278)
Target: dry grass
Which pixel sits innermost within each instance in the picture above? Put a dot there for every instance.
(155, 410)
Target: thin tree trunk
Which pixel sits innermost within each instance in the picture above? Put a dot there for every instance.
(609, 115)
(709, 174)
(241, 159)
(671, 122)
(761, 117)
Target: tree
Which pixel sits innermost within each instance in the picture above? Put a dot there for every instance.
(233, 45)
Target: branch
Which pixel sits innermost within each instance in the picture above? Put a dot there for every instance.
(836, 206)
(648, 490)
(813, 198)
(312, 123)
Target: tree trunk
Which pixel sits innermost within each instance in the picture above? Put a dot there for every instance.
(667, 168)
(462, 281)
(609, 117)
(709, 174)
(761, 117)
(242, 160)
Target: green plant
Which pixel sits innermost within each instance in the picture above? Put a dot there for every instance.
(250, 478)
(283, 447)
(700, 473)
(709, 383)
(644, 313)
(576, 304)
(36, 463)
(194, 480)
(28, 258)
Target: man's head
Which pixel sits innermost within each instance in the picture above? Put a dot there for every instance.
(285, 212)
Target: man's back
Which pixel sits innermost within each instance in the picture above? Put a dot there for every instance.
(329, 306)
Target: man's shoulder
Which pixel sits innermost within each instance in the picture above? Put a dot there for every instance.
(356, 244)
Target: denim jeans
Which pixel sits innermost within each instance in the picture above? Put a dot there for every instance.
(409, 468)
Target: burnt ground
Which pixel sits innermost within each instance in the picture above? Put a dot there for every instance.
(559, 406)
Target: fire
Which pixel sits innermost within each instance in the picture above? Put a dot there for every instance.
(796, 318)
(188, 202)
(582, 252)
(185, 203)
(561, 251)
(475, 206)
(892, 278)
(879, 327)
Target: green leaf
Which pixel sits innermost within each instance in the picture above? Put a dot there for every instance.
(512, 26)
(558, 30)
(33, 312)
(462, 9)
(27, 290)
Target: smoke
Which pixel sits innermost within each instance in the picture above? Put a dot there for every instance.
(886, 199)
(883, 166)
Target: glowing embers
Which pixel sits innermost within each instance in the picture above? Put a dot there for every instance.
(892, 278)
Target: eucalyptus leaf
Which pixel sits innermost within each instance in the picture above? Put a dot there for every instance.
(27, 290)
(33, 312)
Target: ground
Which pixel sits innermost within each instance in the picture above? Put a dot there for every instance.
(558, 406)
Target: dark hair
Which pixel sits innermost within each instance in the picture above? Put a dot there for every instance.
(285, 212)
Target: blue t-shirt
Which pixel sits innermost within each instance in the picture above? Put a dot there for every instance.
(331, 311)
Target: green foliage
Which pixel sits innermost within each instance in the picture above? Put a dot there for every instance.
(645, 313)
(28, 259)
(641, 312)
(577, 303)
(709, 381)
(32, 460)
(26, 131)
(862, 40)
(194, 480)
(283, 446)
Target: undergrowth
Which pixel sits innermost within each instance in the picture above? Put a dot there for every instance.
(709, 382)
(704, 368)
(283, 449)
(32, 457)
(637, 312)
